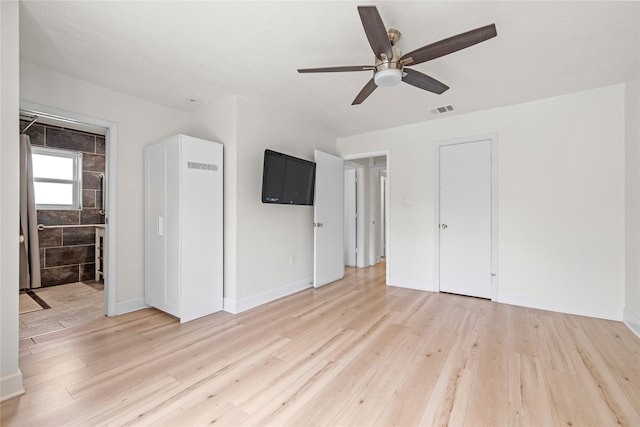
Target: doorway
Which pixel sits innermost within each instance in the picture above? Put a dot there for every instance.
(77, 244)
(466, 205)
(367, 209)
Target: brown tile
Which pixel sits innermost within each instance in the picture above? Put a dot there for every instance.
(35, 132)
(91, 216)
(41, 257)
(70, 140)
(91, 180)
(87, 272)
(78, 236)
(93, 162)
(100, 145)
(58, 217)
(88, 199)
(69, 255)
(59, 275)
(50, 237)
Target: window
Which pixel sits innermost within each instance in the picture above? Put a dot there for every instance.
(57, 178)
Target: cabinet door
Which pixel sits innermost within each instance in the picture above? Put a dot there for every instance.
(155, 225)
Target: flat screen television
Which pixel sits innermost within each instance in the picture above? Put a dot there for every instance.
(287, 180)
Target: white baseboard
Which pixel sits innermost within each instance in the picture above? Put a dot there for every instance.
(632, 321)
(238, 306)
(600, 312)
(11, 386)
(420, 285)
(130, 305)
(230, 306)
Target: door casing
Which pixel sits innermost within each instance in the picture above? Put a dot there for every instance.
(110, 285)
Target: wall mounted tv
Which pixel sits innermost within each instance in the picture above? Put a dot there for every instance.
(287, 180)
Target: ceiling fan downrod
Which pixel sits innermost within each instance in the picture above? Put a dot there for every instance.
(388, 71)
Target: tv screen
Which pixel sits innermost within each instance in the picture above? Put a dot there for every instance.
(287, 180)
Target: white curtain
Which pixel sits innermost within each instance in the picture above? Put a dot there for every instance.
(29, 247)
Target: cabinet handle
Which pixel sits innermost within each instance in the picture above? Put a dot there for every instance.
(160, 226)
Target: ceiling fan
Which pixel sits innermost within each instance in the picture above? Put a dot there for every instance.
(390, 64)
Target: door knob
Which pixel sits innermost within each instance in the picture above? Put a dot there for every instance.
(443, 226)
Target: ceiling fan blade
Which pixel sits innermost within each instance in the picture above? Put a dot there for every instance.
(422, 81)
(365, 92)
(375, 31)
(449, 45)
(336, 69)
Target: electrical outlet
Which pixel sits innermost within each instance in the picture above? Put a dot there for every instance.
(292, 259)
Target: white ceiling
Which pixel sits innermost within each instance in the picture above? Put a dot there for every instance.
(169, 52)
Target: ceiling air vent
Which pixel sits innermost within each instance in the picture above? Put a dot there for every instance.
(440, 110)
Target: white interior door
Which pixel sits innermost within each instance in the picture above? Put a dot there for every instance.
(350, 218)
(328, 219)
(465, 218)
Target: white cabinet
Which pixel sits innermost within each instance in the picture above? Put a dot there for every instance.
(183, 226)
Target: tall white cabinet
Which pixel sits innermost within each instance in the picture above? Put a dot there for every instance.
(183, 226)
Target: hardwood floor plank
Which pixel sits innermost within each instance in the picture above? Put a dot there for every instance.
(212, 381)
(553, 349)
(448, 402)
(529, 401)
(569, 403)
(355, 352)
(410, 397)
(353, 368)
(612, 405)
(373, 395)
(485, 408)
(291, 385)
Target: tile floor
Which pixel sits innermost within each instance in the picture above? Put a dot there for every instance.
(71, 304)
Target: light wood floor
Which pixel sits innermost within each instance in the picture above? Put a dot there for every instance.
(352, 353)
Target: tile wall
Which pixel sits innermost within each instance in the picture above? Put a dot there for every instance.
(67, 254)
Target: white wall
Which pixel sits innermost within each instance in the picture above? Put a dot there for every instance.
(269, 234)
(632, 198)
(139, 123)
(10, 376)
(560, 203)
(261, 238)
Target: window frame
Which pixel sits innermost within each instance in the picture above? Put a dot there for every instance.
(76, 181)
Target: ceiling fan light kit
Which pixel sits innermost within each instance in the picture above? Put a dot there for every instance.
(389, 68)
(388, 77)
